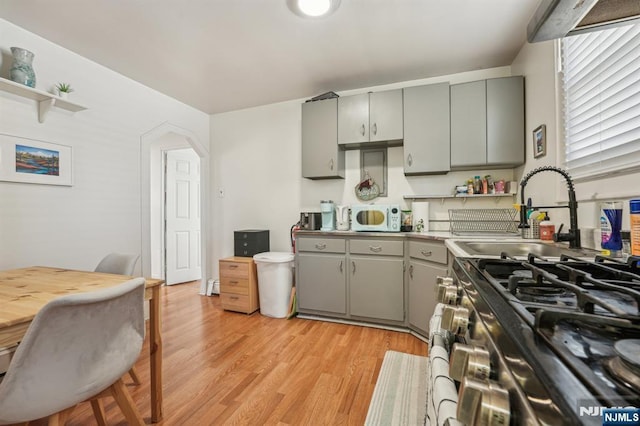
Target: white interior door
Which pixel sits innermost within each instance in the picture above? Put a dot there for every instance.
(182, 210)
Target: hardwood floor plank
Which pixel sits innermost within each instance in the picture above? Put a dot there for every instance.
(223, 367)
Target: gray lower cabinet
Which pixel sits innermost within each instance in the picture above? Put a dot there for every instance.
(426, 129)
(321, 157)
(376, 287)
(428, 260)
(321, 279)
(321, 285)
(487, 123)
(360, 278)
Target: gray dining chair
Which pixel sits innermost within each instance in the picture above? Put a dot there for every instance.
(77, 348)
(123, 264)
(118, 263)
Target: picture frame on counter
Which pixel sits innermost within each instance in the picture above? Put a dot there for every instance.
(32, 161)
(540, 141)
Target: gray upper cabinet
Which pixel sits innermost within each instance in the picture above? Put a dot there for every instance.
(468, 124)
(505, 121)
(321, 156)
(370, 118)
(487, 123)
(426, 129)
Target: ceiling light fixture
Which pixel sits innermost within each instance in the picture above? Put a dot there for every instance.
(313, 8)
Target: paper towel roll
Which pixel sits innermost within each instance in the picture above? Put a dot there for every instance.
(420, 210)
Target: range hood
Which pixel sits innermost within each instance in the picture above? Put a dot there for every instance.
(559, 18)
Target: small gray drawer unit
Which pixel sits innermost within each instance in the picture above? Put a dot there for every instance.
(249, 242)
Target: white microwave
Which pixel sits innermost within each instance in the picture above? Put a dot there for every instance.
(375, 217)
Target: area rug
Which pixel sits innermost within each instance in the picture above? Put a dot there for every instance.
(400, 395)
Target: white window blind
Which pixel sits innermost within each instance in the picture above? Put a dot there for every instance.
(601, 84)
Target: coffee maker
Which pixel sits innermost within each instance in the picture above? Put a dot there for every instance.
(328, 212)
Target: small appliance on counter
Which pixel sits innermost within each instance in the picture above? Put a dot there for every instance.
(310, 221)
(327, 209)
(249, 242)
(375, 217)
(342, 218)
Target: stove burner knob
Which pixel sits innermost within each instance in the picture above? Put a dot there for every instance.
(447, 294)
(469, 361)
(483, 403)
(444, 280)
(455, 319)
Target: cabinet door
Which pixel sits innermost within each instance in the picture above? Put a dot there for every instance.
(376, 287)
(321, 157)
(505, 121)
(427, 139)
(321, 284)
(422, 297)
(469, 124)
(385, 116)
(353, 119)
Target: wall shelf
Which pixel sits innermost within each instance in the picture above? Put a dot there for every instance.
(464, 197)
(45, 100)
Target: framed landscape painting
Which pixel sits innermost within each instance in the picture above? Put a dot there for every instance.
(32, 161)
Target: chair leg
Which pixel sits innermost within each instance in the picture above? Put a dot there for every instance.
(60, 418)
(128, 407)
(134, 376)
(98, 412)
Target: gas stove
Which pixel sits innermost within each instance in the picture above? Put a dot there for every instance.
(541, 341)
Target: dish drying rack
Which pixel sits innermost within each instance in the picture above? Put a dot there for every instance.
(483, 221)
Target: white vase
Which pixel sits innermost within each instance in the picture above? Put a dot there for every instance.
(63, 95)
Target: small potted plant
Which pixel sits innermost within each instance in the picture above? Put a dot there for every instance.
(64, 89)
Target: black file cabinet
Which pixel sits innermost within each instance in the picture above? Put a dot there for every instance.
(250, 241)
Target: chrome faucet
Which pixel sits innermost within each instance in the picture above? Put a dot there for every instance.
(573, 236)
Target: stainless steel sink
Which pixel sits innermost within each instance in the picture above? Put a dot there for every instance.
(521, 249)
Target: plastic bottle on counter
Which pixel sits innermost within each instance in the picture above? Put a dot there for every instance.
(610, 224)
(547, 228)
(634, 208)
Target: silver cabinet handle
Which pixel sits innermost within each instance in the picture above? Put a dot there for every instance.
(362, 129)
(426, 253)
(353, 267)
(409, 160)
(375, 249)
(375, 129)
(411, 271)
(341, 266)
(331, 164)
(321, 246)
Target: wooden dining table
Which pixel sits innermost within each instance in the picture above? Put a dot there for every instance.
(23, 292)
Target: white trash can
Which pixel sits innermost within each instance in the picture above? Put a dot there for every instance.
(275, 280)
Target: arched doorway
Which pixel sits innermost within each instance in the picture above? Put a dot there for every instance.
(153, 144)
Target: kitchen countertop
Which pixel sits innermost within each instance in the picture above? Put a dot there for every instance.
(428, 235)
(450, 240)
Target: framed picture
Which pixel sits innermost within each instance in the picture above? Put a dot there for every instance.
(540, 141)
(32, 161)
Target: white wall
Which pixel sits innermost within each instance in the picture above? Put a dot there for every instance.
(256, 160)
(537, 62)
(76, 226)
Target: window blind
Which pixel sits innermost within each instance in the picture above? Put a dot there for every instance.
(601, 85)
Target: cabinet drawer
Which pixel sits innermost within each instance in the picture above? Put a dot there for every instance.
(326, 245)
(234, 302)
(234, 269)
(381, 247)
(433, 252)
(234, 285)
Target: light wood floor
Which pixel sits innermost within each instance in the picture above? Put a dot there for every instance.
(229, 368)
